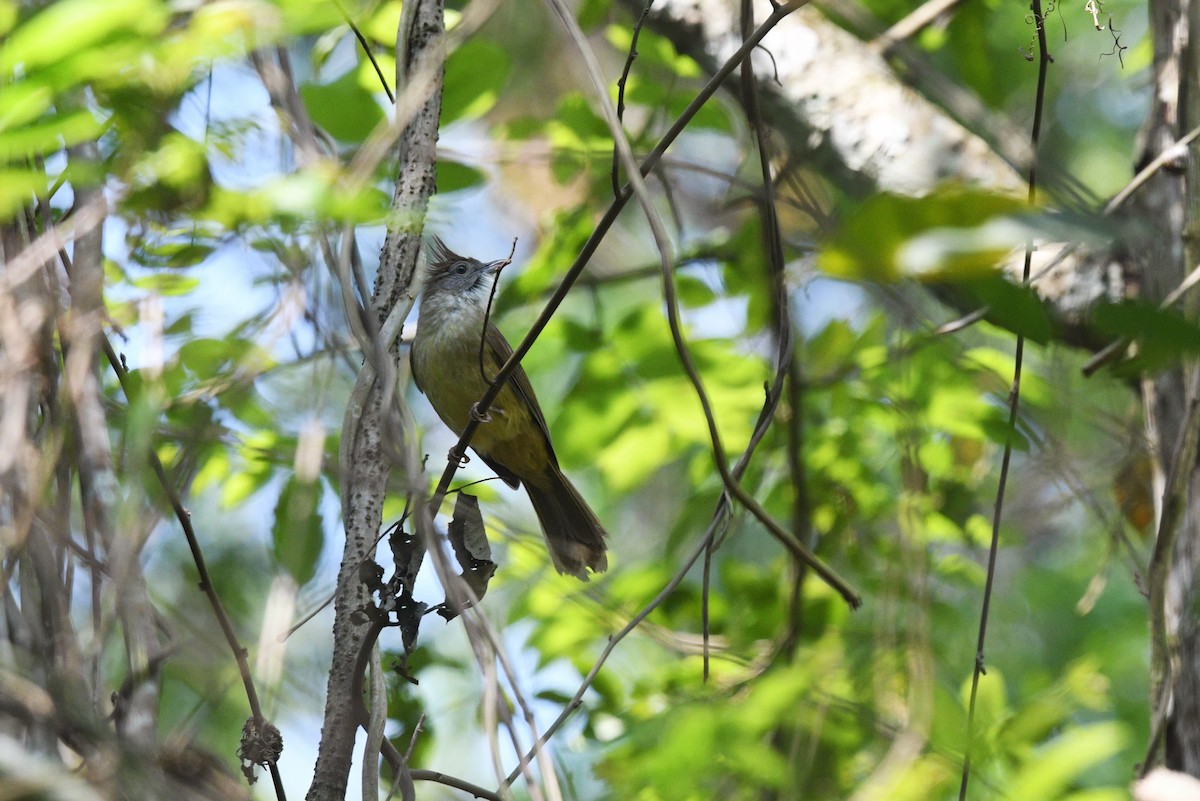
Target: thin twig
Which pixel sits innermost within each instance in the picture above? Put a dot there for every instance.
(720, 518)
(487, 312)
(721, 514)
(629, 59)
(1013, 406)
(920, 18)
(683, 352)
(1169, 153)
(457, 783)
(206, 584)
(519, 153)
(366, 46)
(1115, 349)
(785, 360)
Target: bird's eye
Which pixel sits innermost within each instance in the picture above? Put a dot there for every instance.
(460, 269)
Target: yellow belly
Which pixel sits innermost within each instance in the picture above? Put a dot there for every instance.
(449, 375)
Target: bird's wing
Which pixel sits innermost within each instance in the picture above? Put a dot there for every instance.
(519, 381)
(412, 363)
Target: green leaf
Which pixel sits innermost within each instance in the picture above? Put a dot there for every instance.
(831, 348)
(343, 107)
(1163, 335)
(1000, 432)
(69, 27)
(8, 16)
(207, 357)
(48, 135)
(453, 176)
(953, 234)
(555, 252)
(18, 188)
(23, 102)
(664, 97)
(383, 24)
(747, 274)
(298, 533)
(173, 253)
(592, 12)
(693, 291)
(991, 700)
(310, 17)
(1034, 387)
(1015, 308)
(652, 51)
(1067, 759)
(475, 74)
(172, 284)
(576, 125)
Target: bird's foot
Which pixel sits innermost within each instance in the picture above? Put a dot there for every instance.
(478, 416)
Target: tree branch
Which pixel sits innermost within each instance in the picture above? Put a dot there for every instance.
(364, 442)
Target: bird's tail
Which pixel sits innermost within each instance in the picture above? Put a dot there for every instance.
(573, 534)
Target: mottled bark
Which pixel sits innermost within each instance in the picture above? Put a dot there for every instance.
(366, 449)
(1164, 251)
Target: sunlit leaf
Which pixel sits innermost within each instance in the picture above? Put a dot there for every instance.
(947, 236)
(48, 135)
(1066, 759)
(298, 532)
(8, 16)
(310, 16)
(167, 283)
(17, 188)
(475, 74)
(22, 102)
(343, 107)
(383, 24)
(453, 176)
(652, 50)
(74, 26)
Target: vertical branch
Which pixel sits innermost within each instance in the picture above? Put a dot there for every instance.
(801, 505)
(366, 434)
(1014, 399)
(97, 481)
(633, 54)
(783, 333)
(1181, 588)
(258, 727)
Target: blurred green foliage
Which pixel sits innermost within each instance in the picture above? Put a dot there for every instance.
(887, 450)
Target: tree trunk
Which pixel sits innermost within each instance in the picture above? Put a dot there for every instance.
(1165, 253)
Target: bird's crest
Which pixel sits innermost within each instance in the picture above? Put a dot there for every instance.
(441, 256)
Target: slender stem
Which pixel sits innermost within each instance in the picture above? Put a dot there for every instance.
(1014, 399)
(206, 585)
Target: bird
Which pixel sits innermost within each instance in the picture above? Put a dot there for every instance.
(455, 345)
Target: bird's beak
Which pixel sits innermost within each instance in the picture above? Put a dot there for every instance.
(496, 266)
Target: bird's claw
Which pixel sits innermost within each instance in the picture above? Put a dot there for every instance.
(478, 416)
